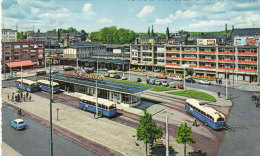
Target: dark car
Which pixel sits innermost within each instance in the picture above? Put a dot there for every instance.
(68, 69)
(138, 79)
(190, 80)
(117, 76)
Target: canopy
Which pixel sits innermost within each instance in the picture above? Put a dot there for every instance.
(21, 63)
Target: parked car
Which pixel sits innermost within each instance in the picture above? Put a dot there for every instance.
(111, 71)
(204, 82)
(138, 79)
(180, 86)
(172, 85)
(106, 74)
(152, 81)
(124, 77)
(18, 124)
(117, 76)
(177, 78)
(103, 69)
(68, 69)
(54, 72)
(112, 75)
(157, 82)
(190, 80)
(165, 83)
(161, 77)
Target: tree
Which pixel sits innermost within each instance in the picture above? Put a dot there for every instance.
(58, 34)
(148, 131)
(152, 32)
(83, 31)
(167, 33)
(184, 135)
(149, 31)
(38, 31)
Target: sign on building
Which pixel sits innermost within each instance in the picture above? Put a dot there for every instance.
(250, 40)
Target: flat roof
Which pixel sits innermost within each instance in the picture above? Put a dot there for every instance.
(103, 84)
(95, 60)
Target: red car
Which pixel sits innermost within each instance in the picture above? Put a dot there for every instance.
(161, 76)
(180, 86)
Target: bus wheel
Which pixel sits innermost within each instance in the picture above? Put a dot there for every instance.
(205, 123)
(100, 114)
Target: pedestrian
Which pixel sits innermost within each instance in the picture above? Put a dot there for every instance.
(27, 95)
(21, 94)
(15, 98)
(216, 81)
(9, 85)
(18, 98)
(12, 97)
(30, 97)
(24, 98)
(219, 94)
(195, 122)
(220, 81)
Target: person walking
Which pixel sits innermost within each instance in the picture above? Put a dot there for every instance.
(27, 95)
(18, 98)
(220, 81)
(216, 81)
(30, 97)
(12, 97)
(9, 85)
(219, 94)
(8, 97)
(24, 98)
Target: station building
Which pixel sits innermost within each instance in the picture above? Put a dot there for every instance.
(121, 93)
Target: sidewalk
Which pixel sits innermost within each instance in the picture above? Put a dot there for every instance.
(7, 150)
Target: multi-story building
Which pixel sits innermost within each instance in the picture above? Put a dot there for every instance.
(15, 53)
(54, 36)
(9, 35)
(208, 60)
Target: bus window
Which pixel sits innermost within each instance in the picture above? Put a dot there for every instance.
(220, 119)
(111, 107)
(103, 106)
(99, 105)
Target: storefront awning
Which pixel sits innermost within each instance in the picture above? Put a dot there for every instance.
(19, 64)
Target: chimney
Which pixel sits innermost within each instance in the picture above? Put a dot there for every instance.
(226, 28)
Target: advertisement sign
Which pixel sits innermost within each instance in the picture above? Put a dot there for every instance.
(250, 40)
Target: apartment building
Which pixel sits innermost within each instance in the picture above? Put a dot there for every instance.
(208, 60)
(9, 35)
(25, 53)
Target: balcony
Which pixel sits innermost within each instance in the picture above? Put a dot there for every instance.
(173, 58)
(246, 62)
(186, 58)
(226, 53)
(193, 65)
(232, 61)
(209, 67)
(202, 59)
(207, 52)
(247, 53)
(172, 64)
(226, 68)
(249, 70)
(189, 51)
(173, 51)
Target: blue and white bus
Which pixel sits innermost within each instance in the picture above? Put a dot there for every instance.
(105, 107)
(27, 85)
(207, 115)
(45, 86)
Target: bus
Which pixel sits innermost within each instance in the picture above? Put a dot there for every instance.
(45, 86)
(105, 107)
(209, 116)
(27, 85)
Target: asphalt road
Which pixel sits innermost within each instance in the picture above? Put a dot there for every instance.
(34, 141)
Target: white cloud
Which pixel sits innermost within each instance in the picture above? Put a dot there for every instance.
(145, 11)
(219, 6)
(104, 20)
(210, 23)
(51, 15)
(184, 14)
(162, 21)
(35, 10)
(88, 9)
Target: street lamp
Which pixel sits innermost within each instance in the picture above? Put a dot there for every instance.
(51, 142)
(184, 66)
(226, 86)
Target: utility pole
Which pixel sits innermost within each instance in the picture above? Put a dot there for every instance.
(167, 137)
(51, 143)
(97, 100)
(226, 86)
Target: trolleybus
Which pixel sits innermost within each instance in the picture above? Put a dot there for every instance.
(45, 86)
(27, 85)
(209, 116)
(105, 107)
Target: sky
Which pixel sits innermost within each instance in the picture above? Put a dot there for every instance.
(137, 15)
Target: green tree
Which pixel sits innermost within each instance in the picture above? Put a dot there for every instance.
(38, 31)
(148, 131)
(51, 31)
(148, 31)
(152, 31)
(184, 135)
(58, 34)
(83, 31)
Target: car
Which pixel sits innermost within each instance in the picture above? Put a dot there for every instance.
(172, 85)
(190, 80)
(112, 75)
(68, 69)
(138, 79)
(117, 76)
(177, 78)
(18, 124)
(124, 77)
(157, 82)
(161, 77)
(152, 81)
(165, 83)
(204, 82)
(106, 74)
(103, 69)
(111, 71)
(54, 72)
(180, 86)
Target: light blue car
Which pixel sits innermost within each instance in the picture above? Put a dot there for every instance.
(18, 124)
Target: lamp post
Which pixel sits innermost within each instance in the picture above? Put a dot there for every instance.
(226, 86)
(51, 142)
(167, 137)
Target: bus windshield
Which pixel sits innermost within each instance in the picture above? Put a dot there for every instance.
(220, 119)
